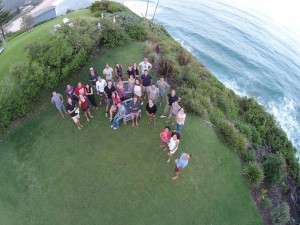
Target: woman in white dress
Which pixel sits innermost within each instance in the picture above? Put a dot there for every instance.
(137, 90)
(173, 145)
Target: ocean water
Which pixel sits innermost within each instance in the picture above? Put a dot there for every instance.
(246, 50)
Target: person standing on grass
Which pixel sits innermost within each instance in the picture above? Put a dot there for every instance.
(119, 71)
(171, 98)
(134, 110)
(58, 100)
(153, 93)
(173, 145)
(146, 82)
(137, 91)
(145, 65)
(151, 111)
(108, 72)
(108, 90)
(74, 113)
(100, 85)
(85, 107)
(165, 136)
(180, 118)
(131, 82)
(120, 89)
(90, 94)
(119, 116)
(115, 101)
(163, 87)
(173, 112)
(80, 90)
(130, 71)
(93, 76)
(136, 71)
(181, 163)
(70, 93)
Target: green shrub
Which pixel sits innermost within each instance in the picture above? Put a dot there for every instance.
(266, 202)
(280, 214)
(230, 136)
(165, 67)
(137, 32)
(244, 128)
(249, 156)
(256, 139)
(147, 48)
(274, 168)
(99, 6)
(184, 57)
(113, 34)
(253, 174)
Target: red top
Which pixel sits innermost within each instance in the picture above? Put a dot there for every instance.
(80, 90)
(165, 136)
(85, 104)
(116, 100)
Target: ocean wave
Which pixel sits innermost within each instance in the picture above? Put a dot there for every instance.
(184, 45)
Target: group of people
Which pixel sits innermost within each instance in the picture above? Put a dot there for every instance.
(139, 87)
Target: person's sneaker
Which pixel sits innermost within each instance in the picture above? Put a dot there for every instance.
(91, 116)
(168, 160)
(168, 121)
(142, 103)
(172, 123)
(162, 116)
(111, 126)
(106, 114)
(115, 128)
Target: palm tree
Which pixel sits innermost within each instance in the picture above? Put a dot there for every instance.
(155, 10)
(147, 9)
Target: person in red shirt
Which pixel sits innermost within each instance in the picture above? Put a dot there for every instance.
(83, 103)
(115, 100)
(165, 136)
(80, 90)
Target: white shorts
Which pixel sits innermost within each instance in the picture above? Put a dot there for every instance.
(146, 88)
(75, 118)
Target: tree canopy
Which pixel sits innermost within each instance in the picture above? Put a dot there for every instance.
(5, 16)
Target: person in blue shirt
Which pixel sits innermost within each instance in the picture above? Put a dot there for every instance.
(120, 115)
(182, 162)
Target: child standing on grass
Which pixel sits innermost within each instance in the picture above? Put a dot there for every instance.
(165, 136)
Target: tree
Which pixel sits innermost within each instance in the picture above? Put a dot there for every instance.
(27, 21)
(5, 16)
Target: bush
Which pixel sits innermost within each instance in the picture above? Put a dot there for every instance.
(280, 214)
(274, 168)
(113, 34)
(184, 57)
(249, 156)
(165, 67)
(137, 32)
(256, 139)
(244, 128)
(253, 174)
(230, 136)
(266, 203)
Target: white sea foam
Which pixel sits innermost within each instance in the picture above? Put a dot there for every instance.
(184, 44)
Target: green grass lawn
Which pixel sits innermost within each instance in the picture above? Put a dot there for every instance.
(14, 50)
(53, 173)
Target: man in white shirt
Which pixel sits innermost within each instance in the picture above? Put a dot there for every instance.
(108, 72)
(145, 65)
(100, 84)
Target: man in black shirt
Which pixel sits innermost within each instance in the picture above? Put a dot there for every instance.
(74, 112)
(130, 71)
(108, 90)
(171, 98)
(93, 77)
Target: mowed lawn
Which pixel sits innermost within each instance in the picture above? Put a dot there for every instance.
(53, 173)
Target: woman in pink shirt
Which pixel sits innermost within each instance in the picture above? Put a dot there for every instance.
(180, 118)
(115, 100)
(165, 136)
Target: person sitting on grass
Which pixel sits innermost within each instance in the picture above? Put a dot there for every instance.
(151, 111)
(115, 100)
(100, 85)
(173, 145)
(108, 90)
(119, 116)
(58, 100)
(83, 103)
(74, 112)
(173, 112)
(165, 136)
(181, 163)
(90, 94)
(134, 110)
